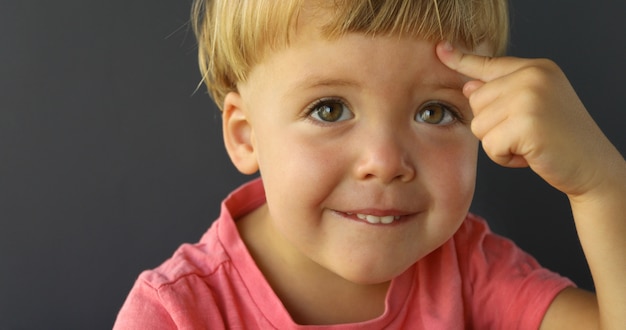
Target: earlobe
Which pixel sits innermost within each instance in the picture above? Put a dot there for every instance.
(238, 134)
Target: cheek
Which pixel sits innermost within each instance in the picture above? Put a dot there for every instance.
(449, 172)
(300, 168)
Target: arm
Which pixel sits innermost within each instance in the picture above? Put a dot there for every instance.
(600, 217)
(527, 114)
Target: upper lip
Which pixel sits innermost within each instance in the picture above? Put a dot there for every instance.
(380, 212)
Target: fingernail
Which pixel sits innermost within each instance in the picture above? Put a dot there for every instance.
(447, 46)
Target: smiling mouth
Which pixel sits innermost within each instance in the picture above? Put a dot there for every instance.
(388, 219)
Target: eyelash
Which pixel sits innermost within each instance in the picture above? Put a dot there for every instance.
(311, 110)
(457, 116)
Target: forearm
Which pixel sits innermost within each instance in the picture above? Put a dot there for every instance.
(600, 217)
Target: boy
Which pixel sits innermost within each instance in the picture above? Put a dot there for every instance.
(364, 125)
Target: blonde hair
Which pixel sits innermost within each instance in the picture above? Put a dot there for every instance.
(234, 35)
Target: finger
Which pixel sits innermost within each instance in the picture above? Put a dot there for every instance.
(487, 120)
(471, 86)
(479, 67)
(483, 95)
(503, 148)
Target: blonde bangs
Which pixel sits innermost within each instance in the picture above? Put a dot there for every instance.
(468, 22)
(235, 35)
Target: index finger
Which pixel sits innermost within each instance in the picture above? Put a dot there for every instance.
(475, 66)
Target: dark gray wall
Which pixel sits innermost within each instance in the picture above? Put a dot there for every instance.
(109, 160)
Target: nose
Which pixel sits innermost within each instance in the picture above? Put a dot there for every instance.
(385, 156)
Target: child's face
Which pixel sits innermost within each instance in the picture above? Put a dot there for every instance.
(360, 127)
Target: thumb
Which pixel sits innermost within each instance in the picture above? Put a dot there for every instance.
(474, 66)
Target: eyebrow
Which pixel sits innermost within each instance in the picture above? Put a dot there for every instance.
(447, 83)
(456, 85)
(312, 82)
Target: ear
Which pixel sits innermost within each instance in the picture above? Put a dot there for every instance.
(238, 134)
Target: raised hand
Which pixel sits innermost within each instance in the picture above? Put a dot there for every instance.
(526, 113)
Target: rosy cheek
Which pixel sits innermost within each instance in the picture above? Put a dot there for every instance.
(450, 170)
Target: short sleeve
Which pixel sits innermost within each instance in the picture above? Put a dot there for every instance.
(187, 303)
(143, 309)
(506, 287)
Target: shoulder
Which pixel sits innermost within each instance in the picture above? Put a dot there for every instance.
(185, 291)
(199, 259)
(494, 270)
(483, 249)
(217, 248)
(199, 282)
(159, 294)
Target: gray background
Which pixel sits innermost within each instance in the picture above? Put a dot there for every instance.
(109, 160)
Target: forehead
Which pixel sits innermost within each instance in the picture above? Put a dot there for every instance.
(387, 66)
(314, 16)
(361, 58)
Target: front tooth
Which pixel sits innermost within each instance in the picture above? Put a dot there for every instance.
(372, 219)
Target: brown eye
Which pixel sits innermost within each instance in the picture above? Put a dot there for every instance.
(330, 111)
(435, 114)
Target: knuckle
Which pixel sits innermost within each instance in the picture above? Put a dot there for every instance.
(536, 76)
(544, 67)
(548, 64)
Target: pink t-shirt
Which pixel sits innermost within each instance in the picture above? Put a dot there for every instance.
(475, 280)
